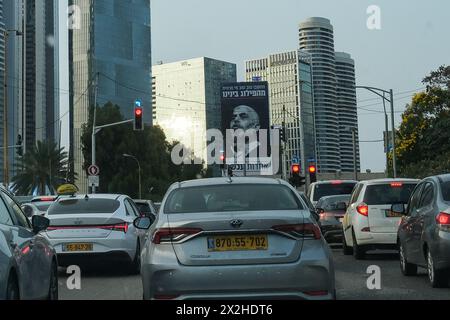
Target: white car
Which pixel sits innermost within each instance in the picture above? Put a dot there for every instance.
(95, 227)
(369, 223)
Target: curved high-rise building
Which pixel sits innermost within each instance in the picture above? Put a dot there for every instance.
(317, 38)
(347, 110)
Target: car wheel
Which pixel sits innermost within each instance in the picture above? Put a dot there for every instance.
(358, 251)
(12, 290)
(348, 251)
(53, 289)
(136, 264)
(408, 269)
(438, 278)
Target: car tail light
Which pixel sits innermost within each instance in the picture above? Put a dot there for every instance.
(443, 221)
(363, 209)
(173, 234)
(308, 230)
(396, 184)
(116, 227)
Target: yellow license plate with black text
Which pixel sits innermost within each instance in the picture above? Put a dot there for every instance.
(238, 243)
(78, 247)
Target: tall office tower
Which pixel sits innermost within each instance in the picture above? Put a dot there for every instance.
(317, 38)
(47, 73)
(111, 39)
(13, 72)
(347, 111)
(289, 75)
(187, 100)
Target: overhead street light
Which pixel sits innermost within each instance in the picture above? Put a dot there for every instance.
(139, 166)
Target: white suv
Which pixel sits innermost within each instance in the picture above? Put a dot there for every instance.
(369, 222)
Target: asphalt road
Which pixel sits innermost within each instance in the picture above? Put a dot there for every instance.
(113, 283)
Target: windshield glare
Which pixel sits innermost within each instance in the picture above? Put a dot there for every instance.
(232, 198)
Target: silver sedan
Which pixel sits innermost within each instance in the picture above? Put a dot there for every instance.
(245, 238)
(28, 265)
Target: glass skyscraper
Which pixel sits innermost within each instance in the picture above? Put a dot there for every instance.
(113, 41)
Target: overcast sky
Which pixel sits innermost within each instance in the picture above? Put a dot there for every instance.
(414, 39)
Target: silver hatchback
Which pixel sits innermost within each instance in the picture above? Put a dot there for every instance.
(239, 238)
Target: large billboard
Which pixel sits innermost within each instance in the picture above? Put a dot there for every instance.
(246, 128)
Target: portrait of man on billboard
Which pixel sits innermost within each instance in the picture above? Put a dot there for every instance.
(245, 118)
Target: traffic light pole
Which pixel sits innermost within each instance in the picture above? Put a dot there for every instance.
(96, 130)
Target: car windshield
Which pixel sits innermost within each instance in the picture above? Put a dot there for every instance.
(332, 189)
(445, 186)
(43, 206)
(84, 206)
(257, 197)
(384, 194)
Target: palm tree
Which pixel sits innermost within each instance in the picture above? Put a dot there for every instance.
(42, 168)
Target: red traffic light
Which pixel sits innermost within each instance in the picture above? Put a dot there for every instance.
(295, 168)
(312, 169)
(138, 112)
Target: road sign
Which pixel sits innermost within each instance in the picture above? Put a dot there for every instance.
(94, 181)
(94, 170)
(295, 160)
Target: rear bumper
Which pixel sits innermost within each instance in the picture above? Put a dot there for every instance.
(374, 239)
(332, 232)
(109, 249)
(65, 260)
(441, 250)
(313, 273)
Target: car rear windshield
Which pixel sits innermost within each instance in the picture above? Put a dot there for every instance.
(445, 186)
(238, 197)
(384, 194)
(144, 208)
(332, 189)
(84, 206)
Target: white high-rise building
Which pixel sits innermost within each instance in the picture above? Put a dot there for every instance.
(333, 76)
(187, 100)
(289, 76)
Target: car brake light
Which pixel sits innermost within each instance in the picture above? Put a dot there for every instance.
(363, 209)
(396, 184)
(173, 234)
(335, 182)
(308, 230)
(443, 221)
(116, 227)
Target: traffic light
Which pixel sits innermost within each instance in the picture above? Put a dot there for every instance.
(283, 134)
(312, 173)
(296, 180)
(222, 160)
(19, 146)
(138, 116)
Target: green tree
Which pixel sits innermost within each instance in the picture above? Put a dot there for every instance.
(119, 174)
(42, 168)
(424, 135)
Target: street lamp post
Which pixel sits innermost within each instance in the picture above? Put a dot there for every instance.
(139, 166)
(382, 93)
(5, 107)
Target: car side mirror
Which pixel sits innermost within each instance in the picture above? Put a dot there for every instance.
(341, 206)
(398, 208)
(142, 223)
(39, 223)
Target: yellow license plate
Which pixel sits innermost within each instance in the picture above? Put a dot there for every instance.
(391, 214)
(78, 247)
(238, 243)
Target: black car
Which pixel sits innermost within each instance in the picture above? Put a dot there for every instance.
(147, 209)
(424, 231)
(331, 211)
